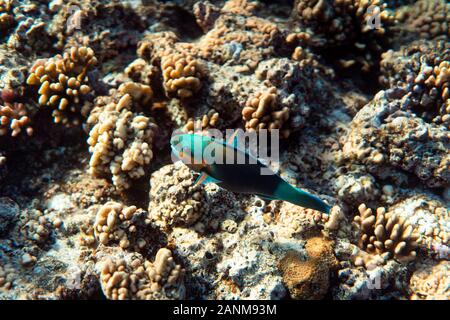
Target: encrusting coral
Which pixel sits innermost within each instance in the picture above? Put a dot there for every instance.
(385, 234)
(135, 278)
(63, 84)
(309, 279)
(431, 282)
(117, 223)
(422, 69)
(120, 138)
(263, 111)
(386, 135)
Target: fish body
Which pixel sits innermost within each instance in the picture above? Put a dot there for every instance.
(239, 176)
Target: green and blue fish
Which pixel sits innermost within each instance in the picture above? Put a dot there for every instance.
(238, 176)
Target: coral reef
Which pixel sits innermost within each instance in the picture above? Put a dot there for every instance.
(431, 282)
(13, 116)
(385, 234)
(263, 112)
(425, 19)
(133, 277)
(181, 75)
(97, 208)
(175, 201)
(116, 223)
(422, 70)
(309, 279)
(120, 138)
(63, 84)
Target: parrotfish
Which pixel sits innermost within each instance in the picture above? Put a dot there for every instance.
(239, 177)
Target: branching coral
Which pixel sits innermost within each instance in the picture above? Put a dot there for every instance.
(263, 111)
(209, 120)
(309, 279)
(13, 115)
(174, 198)
(426, 18)
(182, 74)
(120, 139)
(386, 234)
(140, 279)
(63, 83)
(340, 23)
(6, 19)
(117, 223)
(422, 69)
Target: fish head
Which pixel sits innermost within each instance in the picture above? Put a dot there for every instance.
(188, 148)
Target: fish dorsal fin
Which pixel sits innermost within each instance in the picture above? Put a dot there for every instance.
(204, 179)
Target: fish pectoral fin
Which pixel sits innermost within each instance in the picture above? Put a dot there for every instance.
(204, 179)
(267, 198)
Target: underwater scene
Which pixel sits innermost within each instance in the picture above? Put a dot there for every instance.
(224, 150)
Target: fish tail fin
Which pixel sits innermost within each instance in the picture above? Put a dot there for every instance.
(304, 199)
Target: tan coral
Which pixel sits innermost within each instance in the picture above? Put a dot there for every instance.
(7, 275)
(140, 93)
(34, 227)
(431, 282)
(263, 111)
(309, 279)
(182, 74)
(385, 234)
(6, 18)
(63, 83)
(207, 121)
(120, 141)
(141, 71)
(174, 198)
(140, 279)
(116, 223)
(14, 118)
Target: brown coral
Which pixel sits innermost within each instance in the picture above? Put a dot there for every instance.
(174, 198)
(263, 111)
(426, 18)
(347, 23)
(422, 69)
(182, 74)
(431, 282)
(14, 116)
(309, 279)
(6, 18)
(63, 83)
(207, 121)
(120, 139)
(384, 233)
(140, 279)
